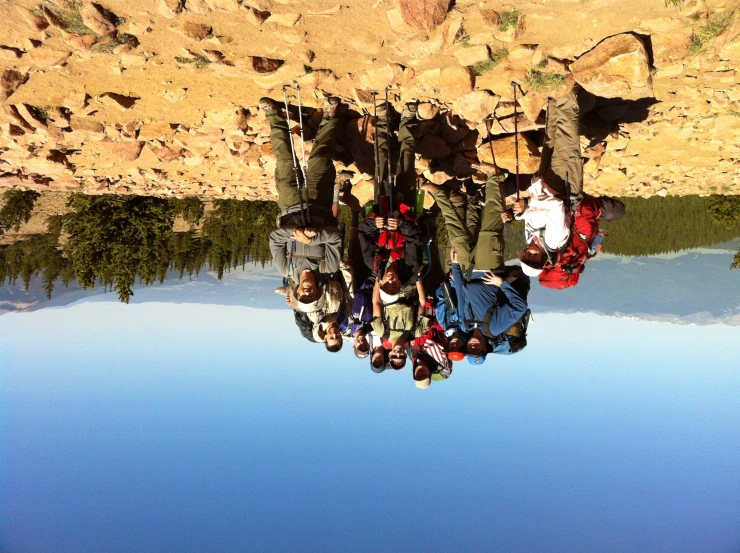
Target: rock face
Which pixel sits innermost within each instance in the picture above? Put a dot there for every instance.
(476, 106)
(424, 15)
(505, 150)
(617, 67)
(10, 80)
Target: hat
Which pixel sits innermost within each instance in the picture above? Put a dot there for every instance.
(456, 356)
(473, 360)
(423, 384)
(530, 271)
(388, 298)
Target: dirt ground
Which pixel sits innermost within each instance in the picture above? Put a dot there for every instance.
(159, 96)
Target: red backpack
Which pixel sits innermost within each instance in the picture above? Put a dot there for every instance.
(584, 243)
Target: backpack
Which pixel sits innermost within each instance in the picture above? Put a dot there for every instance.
(504, 344)
(585, 243)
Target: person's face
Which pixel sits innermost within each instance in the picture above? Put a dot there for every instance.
(456, 342)
(390, 283)
(333, 335)
(361, 342)
(378, 358)
(532, 253)
(476, 344)
(307, 290)
(397, 356)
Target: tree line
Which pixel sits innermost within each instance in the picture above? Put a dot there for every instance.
(115, 241)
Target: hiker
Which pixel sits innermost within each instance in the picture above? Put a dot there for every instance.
(308, 241)
(328, 332)
(391, 238)
(487, 306)
(429, 357)
(558, 189)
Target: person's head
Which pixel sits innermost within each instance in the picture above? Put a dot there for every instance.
(361, 345)
(390, 284)
(308, 289)
(422, 372)
(457, 342)
(533, 259)
(397, 355)
(477, 344)
(333, 338)
(379, 359)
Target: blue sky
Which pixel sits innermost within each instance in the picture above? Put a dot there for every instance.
(163, 427)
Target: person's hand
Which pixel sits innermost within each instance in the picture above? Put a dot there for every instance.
(287, 296)
(519, 207)
(393, 223)
(507, 216)
(380, 222)
(492, 279)
(300, 236)
(453, 255)
(310, 232)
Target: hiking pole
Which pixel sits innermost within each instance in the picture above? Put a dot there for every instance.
(378, 182)
(390, 176)
(516, 140)
(294, 156)
(304, 167)
(493, 158)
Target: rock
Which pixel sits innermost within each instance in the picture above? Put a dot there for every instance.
(364, 191)
(531, 103)
(452, 128)
(360, 135)
(265, 65)
(285, 19)
(427, 110)
(490, 17)
(470, 55)
(612, 112)
(377, 78)
(476, 106)
(196, 31)
(167, 154)
(456, 81)
(438, 177)
(617, 67)
(432, 146)
(170, 8)
(155, 130)
(502, 24)
(397, 23)
(75, 101)
(226, 5)
(424, 15)
(462, 166)
(121, 150)
(46, 56)
(669, 48)
(79, 41)
(506, 125)
(96, 18)
(118, 100)
(505, 150)
(257, 17)
(10, 80)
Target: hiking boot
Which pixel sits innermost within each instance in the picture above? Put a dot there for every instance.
(268, 105)
(331, 107)
(410, 110)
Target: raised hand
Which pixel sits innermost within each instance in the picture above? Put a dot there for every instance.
(393, 223)
(492, 279)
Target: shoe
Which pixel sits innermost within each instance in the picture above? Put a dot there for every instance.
(331, 107)
(268, 105)
(409, 110)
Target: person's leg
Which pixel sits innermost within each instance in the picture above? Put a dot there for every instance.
(562, 169)
(611, 208)
(489, 249)
(381, 131)
(285, 179)
(406, 171)
(321, 172)
(457, 230)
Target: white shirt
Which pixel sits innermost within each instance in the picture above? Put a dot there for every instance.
(546, 217)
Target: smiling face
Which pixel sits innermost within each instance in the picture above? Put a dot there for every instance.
(390, 283)
(457, 343)
(397, 356)
(476, 344)
(361, 345)
(307, 290)
(333, 338)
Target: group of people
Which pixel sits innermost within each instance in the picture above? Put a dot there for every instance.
(376, 295)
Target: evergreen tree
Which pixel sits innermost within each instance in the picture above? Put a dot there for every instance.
(17, 208)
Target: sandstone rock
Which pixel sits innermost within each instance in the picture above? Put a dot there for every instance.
(462, 166)
(46, 56)
(432, 146)
(196, 31)
(490, 17)
(452, 128)
(424, 15)
(167, 154)
(377, 78)
(505, 125)
(79, 41)
(470, 55)
(265, 65)
(427, 110)
(476, 106)
(120, 150)
(397, 23)
(118, 100)
(456, 81)
(10, 80)
(96, 18)
(257, 17)
(285, 19)
(322, 79)
(76, 101)
(531, 104)
(669, 48)
(616, 68)
(364, 191)
(170, 8)
(155, 130)
(505, 150)
(438, 177)
(227, 5)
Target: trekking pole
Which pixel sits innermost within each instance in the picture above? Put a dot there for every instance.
(489, 124)
(390, 176)
(516, 140)
(304, 167)
(294, 156)
(378, 183)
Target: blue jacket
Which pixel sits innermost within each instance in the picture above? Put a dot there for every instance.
(475, 298)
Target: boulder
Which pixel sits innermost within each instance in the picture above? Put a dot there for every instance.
(476, 106)
(97, 19)
(617, 67)
(470, 55)
(505, 150)
(170, 8)
(196, 31)
(265, 65)
(10, 80)
(427, 110)
(424, 15)
(432, 146)
(122, 151)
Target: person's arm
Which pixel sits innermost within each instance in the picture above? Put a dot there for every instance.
(458, 283)
(377, 307)
(509, 311)
(331, 238)
(279, 244)
(422, 296)
(368, 235)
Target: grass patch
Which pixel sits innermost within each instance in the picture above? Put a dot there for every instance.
(110, 46)
(543, 63)
(673, 3)
(717, 25)
(543, 80)
(197, 60)
(484, 66)
(70, 17)
(734, 112)
(41, 113)
(509, 20)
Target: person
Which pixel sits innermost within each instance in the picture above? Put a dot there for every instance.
(308, 240)
(487, 306)
(429, 357)
(328, 332)
(558, 189)
(390, 241)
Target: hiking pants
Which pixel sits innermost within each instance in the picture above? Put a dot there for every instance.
(561, 165)
(478, 241)
(405, 170)
(321, 173)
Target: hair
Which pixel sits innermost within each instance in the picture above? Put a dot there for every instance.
(458, 337)
(384, 352)
(334, 347)
(425, 359)
(536, 261)
(397, 364)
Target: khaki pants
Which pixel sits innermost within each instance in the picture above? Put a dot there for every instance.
(478, 241)
(405, 172)
(561, 166)
(321, 173)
